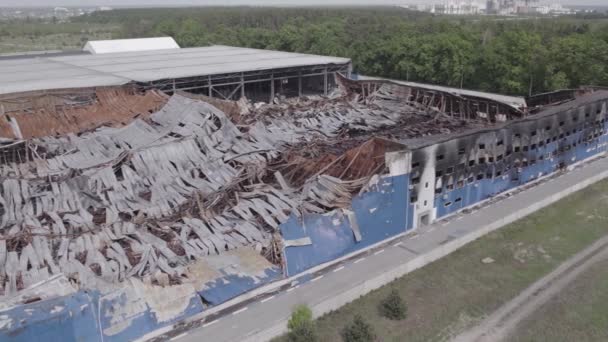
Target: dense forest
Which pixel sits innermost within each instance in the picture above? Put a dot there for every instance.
(506, 55)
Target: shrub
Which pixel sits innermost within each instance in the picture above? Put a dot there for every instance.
(358, 331)
(393, 307)
(301, 326)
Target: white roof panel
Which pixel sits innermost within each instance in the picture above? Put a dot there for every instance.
(125, 45)
(145, 66)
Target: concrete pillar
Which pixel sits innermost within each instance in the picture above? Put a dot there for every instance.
(300, 84)
(210, 87)
(325, 82)
(271, 88)
(242, 85)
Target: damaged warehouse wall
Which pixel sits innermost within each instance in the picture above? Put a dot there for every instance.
(477, 166)
(200, 205)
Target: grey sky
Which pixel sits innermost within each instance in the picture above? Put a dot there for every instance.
(21, 3)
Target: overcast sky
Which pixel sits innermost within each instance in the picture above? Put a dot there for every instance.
(20, 3)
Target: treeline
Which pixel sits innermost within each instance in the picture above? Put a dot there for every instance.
(493, 54)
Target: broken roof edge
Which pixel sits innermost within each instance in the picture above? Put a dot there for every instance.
(516, 102)
(422, 142)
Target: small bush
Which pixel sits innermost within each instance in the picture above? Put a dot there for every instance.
(393, 307)
(301, 326)
(358, 331)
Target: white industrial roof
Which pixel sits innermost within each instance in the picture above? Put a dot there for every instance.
(129, 45)
(45, 73)
(513, 101)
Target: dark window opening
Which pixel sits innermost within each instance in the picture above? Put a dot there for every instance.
(471, 179)
(548, 128)
(438, 174)
(480, 176)
(561, 123)
(449, 171)
(533, 147)
(517, 148)
(499, 158)
(533, 133)
(415, 165)
(482, 146)
(447, 204)
(482, 161)
(499, 143)
(458, 200)
(471, 163)
(490, 160)
(526, 148)
(440, 157)
(415, 180)
(413, 199)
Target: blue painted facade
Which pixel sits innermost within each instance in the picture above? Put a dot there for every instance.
(229, 286)
(540, 162)
(380, 214)
(69, 318)
(125, 316)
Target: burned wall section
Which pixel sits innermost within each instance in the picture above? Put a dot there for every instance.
(458, 172)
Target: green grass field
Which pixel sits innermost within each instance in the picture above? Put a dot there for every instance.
(41, 37)
(456, 292)
(579, 313)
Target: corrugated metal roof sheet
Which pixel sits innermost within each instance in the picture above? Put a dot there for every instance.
(513, 101)
(144, 66)
(126, 45)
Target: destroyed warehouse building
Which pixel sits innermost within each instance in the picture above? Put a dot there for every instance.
(140, 194)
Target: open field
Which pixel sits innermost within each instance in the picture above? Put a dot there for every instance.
(458, 291)
(579, 313)
(22, 37)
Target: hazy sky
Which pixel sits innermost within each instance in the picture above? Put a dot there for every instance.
(20, 3)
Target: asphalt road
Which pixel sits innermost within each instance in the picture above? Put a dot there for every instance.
(267, 311)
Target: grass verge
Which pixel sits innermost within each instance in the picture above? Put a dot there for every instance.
(579, 313)
(458, 291)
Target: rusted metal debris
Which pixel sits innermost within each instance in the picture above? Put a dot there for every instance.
(188, 181)
(53, 115)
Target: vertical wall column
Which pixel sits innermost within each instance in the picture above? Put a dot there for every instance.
(325, 82)
(242, 85)
(300, 84)
(271, 88)
(210, 86)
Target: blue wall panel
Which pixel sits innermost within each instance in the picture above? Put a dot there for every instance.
(139, 318)
(65, 319)
(381, 213)
(232, 285)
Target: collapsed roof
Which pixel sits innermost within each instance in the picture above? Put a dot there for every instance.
(162, 183)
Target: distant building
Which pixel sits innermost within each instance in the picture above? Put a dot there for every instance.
(129, 45)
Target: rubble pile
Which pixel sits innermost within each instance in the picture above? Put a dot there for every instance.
(146, 194)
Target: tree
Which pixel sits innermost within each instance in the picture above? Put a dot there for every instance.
(393, 307)
(301, 326)
(358, 331)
